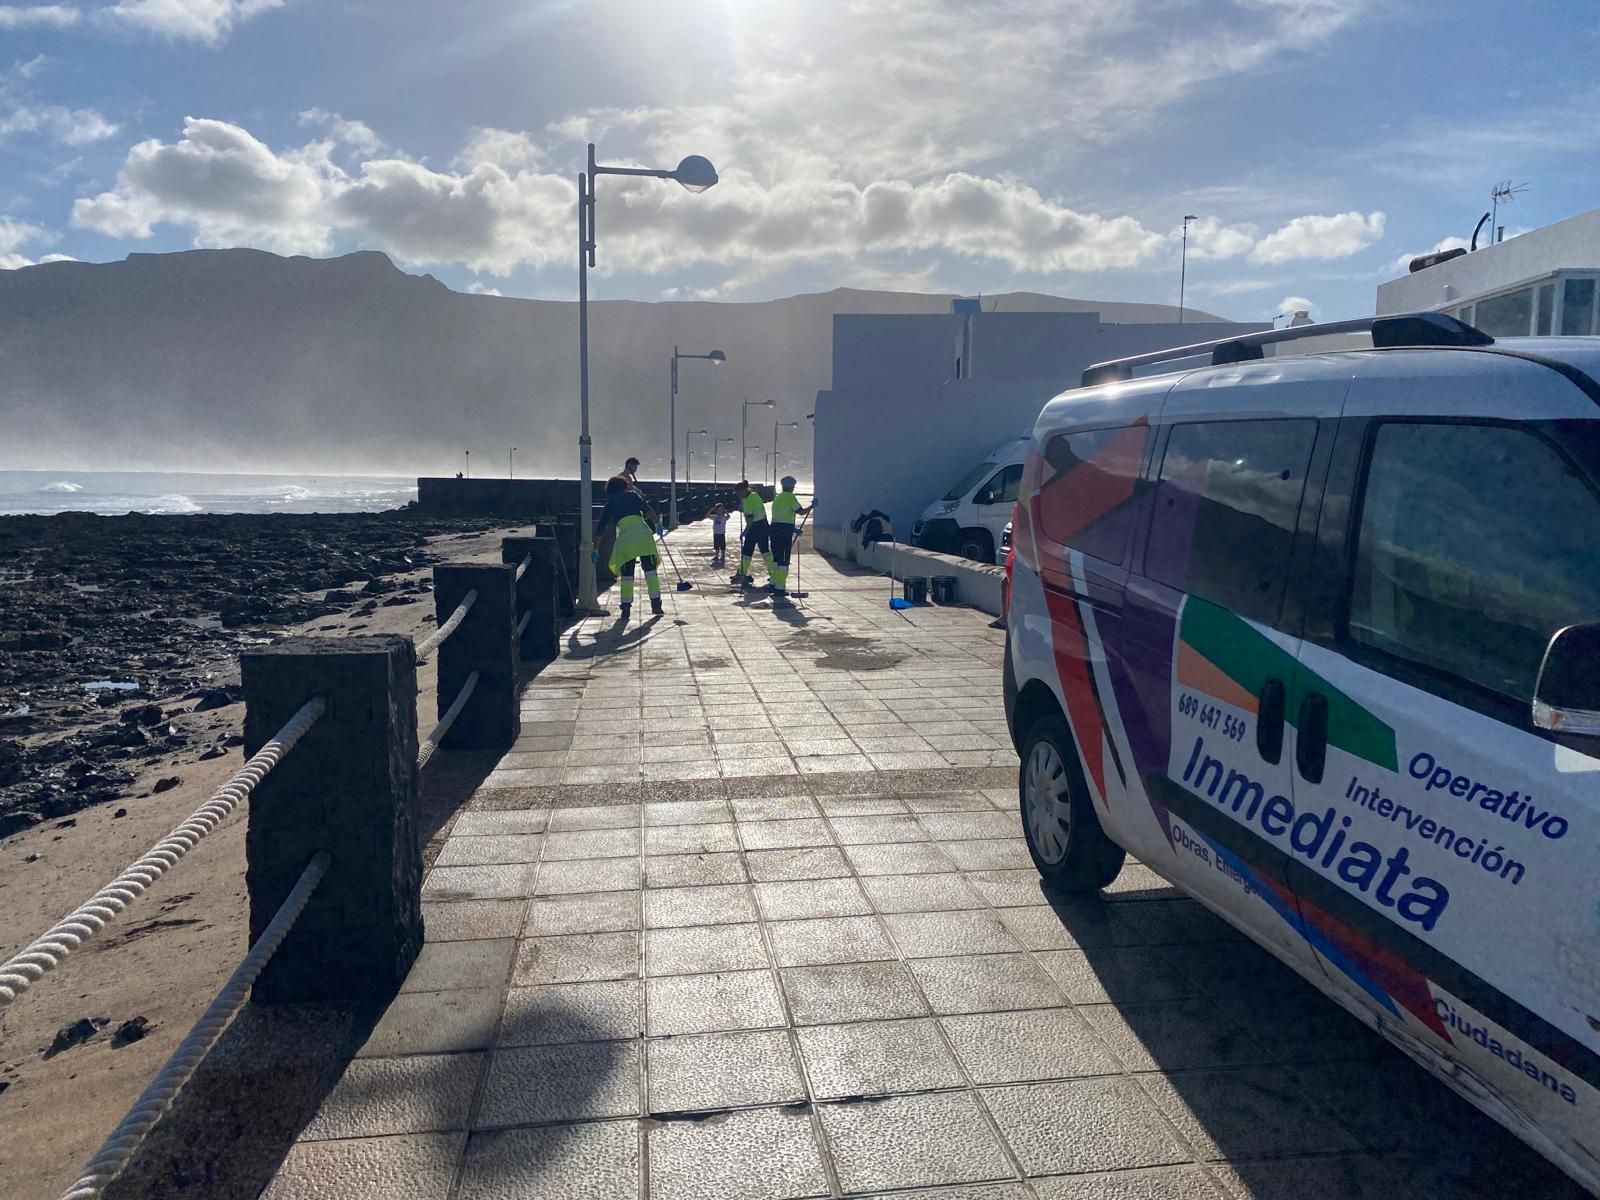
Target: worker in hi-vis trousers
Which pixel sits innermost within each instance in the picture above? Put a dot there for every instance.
(786, 508)
(636, 542)
(757, 535)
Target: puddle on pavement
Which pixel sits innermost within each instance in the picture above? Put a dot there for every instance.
(844, 651)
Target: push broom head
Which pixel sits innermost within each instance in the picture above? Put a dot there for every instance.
(898, 603)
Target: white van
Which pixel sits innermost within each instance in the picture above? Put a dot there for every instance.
(1318, 639)
(972, 515)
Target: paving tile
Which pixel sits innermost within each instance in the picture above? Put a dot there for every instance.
(528, 1085)
(801, 898)
(861, 806)
(876, 1058)
(436, 1022)
(567, 1162)
(489, 849)
(1393, 1105)
(912, 1141)
(1009, 889)
(828, 940)
(462, 920)
(722, 1070)
(1082, 1125)
(1233, 969)
(1172, 1035)
(711, 1003)
(441, 966)
(1114, 974)
(1066, 926)
(939, 934)
(775, 808)
(525, 777)
(757, 1154)
(985, 983)
(690, 839)
(421, 1093)
(1304, 1026)
(834, 994)
(1159, 1183)
(1250, 1113)
(692, 870)
(514, 821)
(860, 831)
(920, 893)
(1175, 923)
(833, 762)
(591, 844)
(897, 858)
(611, 816)
(1339, 1176)
(1138, 882)
(1013, 1047)
(479, 883)
(686, 812)
(588, 875)
(948, 802)
(699, 949)
(570, 958)
(816, 862)
(989, 854)
(757, 768)
(573, 1012)
(780, 835)
(417, 1166)
(587, 912)
(718, 904)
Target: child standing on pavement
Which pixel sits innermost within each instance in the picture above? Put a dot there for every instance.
(719, 536)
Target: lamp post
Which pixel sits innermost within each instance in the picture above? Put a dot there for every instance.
(716, 449)
(744, 435)
(716, 358)
(688, 454)
(1183, 263)
(511, 463)
(695, 174)
(775, 427)
(469, 464)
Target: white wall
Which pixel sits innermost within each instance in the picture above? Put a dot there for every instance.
(1574, 242)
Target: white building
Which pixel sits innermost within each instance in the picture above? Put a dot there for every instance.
(918, 399)
(1542, 282)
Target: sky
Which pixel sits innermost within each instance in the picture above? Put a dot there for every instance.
(928, 145)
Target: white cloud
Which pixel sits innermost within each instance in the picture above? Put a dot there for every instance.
(14, 235)
(208, 21)
(358, 135)
(1210, 239)
(39, 16)
(22, 114)
(1234, 287)
(1402, 264)
(475, 288)
(1290, 305)
(1337, 236)
(504, 148)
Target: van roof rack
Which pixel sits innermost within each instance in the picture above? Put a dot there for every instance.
(1408, 329)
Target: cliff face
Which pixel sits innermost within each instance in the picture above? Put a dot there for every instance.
(243, 360)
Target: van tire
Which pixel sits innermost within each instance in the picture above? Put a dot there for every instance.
(1067, 845)
(977, 544)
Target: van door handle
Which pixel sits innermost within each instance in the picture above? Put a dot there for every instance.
(1269, 721)
(1311, 742)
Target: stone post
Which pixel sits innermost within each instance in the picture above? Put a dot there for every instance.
(485, 643)
(566, 537)
(536, 593)
(350, 788)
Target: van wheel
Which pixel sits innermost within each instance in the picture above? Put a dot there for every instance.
(1063, 833)
(976, 544)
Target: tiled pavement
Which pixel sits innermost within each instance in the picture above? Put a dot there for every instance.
(746, 914)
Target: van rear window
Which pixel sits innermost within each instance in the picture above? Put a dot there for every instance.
(1087, 500)
(1225, 512)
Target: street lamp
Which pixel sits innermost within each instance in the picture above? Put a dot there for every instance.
(1183, 263)
(695, 174)
(744, 436)
(688, 454)
(469, 464)
(716, 358)
(775, 427)
(511, 463)
(716, 449)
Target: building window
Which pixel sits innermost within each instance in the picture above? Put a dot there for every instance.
(1510, 315)
(1577, 308)
(1088, 500)
(1459, 568)
(1547, 304)
(1225, 513)
(1002, 489)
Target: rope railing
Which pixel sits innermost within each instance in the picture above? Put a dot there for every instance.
(431, 742)
(522, 567)
(523, 623)
(452, 623)
(130, 1133)
(47, 951)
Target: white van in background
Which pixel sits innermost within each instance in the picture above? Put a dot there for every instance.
(972, 515)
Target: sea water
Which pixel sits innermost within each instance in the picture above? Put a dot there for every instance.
(116, 492)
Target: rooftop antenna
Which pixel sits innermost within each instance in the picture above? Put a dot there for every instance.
(1503, 192)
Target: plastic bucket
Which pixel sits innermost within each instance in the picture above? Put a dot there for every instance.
(944, 589)
(915, 588)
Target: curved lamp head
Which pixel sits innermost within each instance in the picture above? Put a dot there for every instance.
(717, 357)
(696, 173)
(698, 432)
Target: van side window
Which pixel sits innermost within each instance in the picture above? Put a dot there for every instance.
(1003, 487)
(1086, 501)
(1225, 513)
(1476, 543)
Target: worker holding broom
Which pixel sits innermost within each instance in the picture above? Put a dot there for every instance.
(757, 535)
(786, 508)
(636, 542)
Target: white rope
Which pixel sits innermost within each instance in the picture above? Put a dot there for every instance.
(450, 626)
(66, 935)
(523, 624)
(431, 742)
(125, 1140)
(523, 569)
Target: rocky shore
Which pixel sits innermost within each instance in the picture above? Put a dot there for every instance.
(116, 631)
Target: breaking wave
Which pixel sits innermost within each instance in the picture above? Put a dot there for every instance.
(62, 486)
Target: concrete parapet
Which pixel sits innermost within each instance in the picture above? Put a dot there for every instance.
(485, 643)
